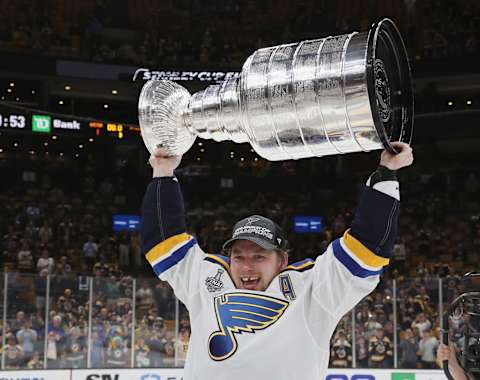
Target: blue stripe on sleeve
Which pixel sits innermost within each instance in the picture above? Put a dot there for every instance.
(300, 263)
(351, 264)
(174, 258)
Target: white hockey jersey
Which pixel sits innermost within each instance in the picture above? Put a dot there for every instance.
(282, 333)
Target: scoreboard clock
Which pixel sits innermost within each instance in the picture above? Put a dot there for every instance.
(12, 121)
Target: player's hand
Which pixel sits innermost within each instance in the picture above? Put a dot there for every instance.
(163, 164)
(403, 158)
(444, 353)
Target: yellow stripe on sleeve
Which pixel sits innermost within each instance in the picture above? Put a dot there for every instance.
(166, 246)
(219, 260)
(362, 252)
(309, 264)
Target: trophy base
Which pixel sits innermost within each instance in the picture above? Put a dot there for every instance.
(391, 96)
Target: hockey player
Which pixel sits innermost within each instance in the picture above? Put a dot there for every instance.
(253, 315)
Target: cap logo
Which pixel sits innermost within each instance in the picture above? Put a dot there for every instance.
(252, 219)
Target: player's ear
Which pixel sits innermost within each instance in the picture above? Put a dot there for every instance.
(284, 259)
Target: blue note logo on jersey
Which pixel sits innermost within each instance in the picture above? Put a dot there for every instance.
(241, 312)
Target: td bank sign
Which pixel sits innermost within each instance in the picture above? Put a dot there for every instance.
(62, 124)
(45, 123)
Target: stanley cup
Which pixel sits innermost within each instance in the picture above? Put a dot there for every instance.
(334, 95)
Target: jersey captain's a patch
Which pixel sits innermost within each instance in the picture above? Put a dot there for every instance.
(241, 312)
(287, 287)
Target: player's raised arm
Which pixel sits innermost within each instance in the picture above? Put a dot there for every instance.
(172, 253)
(350, 268)
(376, 217)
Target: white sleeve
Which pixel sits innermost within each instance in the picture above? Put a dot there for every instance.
(391, 188)
(342, 276)
(178, 261)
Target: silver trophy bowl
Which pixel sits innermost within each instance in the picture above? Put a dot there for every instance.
(334, 95)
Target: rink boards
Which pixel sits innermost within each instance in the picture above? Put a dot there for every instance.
(176, 374)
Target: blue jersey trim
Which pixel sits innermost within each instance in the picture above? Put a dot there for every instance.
(174, 258)
(352, 266)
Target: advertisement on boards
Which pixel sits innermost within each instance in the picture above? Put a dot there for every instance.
(35, 375)
(176, 374)
(383, 374)
(129, 374)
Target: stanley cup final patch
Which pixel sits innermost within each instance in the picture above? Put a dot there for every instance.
(215, 283)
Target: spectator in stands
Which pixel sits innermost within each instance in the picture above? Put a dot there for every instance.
(41, 289)
(371, 325)
(117, 353)
(124, 251)
(35, 362)
(142, 330)
(144, 298)
(13, 353)
(380, 350)
(90, 250)
(53, 351)
(168, 359)
(156, 342)
(388, 329)
(33, 212)
(75, 349)
(26, 338)
(422, 324)
(111, 290)
(427, 350)
(38, 325)
(182, 344)
(142, 354)
(45, 261)
(45, 233)
(62, 278)
(56, 330)
(67, 303)
(408, 348)
(19, 321)
(362, 351)
(97, 351)
(67, 268)
(163, 299)
(25, 258)
(362, 313)
(341, 352)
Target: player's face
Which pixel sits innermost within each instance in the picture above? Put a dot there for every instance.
(253, 267)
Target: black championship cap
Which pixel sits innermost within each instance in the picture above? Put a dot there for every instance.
(260, 230)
